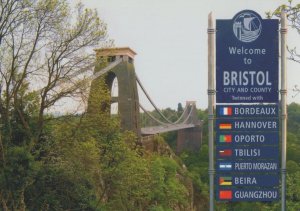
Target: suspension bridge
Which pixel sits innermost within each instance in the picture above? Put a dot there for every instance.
(118, 63)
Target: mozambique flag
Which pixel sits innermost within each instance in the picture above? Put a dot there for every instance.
(225, 111)
(225, 126)
(225, 138)
(225, 153)
(225, 194)
(225, 181)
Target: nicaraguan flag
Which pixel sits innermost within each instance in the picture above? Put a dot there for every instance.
(225, 194)
(225, 166)
(225, 111)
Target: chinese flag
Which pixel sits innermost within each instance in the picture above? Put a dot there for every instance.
(225, 194)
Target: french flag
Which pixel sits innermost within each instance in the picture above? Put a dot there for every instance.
(226, 111)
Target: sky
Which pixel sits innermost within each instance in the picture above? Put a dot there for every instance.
(170, 39)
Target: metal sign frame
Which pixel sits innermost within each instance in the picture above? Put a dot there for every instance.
(211, 105)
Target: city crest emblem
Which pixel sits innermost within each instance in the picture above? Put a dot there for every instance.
(247, 26)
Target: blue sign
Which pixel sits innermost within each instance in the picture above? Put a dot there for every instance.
(247, 138)
(252, 194)
(247, 59)
(247, 153)
(249, 166)
(247, 125)
(241, 180)
(260, 111)
(247, 134)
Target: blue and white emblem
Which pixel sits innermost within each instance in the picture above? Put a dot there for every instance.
(247, 27)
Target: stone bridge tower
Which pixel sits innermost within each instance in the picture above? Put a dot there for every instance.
(191, 138)
(127, 99)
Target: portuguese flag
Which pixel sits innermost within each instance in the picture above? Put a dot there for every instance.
(225, 138)
(225, 194)
(225, 181)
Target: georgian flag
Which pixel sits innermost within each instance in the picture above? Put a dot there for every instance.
(225, 111)
(225, 153)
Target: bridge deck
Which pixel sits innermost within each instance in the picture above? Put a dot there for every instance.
(165, 128)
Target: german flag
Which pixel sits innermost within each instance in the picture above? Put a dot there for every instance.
(225, 153)
(225, 126)
(225, 138)
(225, 194)
(225, 181)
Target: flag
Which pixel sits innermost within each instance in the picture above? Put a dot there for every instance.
(225, 138)
(225, 194)
(225, 180)
(225, 166)
(225, 126)
(225, 111)
(225, 153)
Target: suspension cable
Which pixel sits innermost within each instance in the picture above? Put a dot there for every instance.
(190, 113)
(162, 123)
(182, 115)
(106, 69)
(152, 117)
(153, 104)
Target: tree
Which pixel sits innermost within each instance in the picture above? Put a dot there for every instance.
(179, 108)
(11, 16)
(45, 46)
(293, 16)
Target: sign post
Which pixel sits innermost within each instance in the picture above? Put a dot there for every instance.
(211, 95)
(247, 113)
(283, 93)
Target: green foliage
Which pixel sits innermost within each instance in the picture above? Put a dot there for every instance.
(47, 163)
(167, 190)
(171, 139)
(125, 176)
(293, 182)
(197, 164)
(135, 182)
(16, 175)
(203, 115)
(60, 188)
(294, 119)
